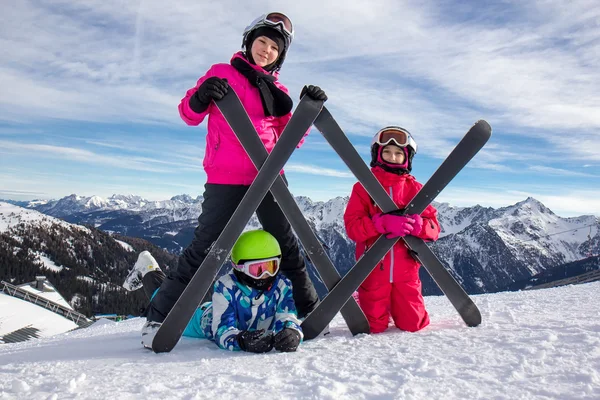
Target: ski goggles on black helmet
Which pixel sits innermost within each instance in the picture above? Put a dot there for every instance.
(275, 20)
(260, 268)
(395, 135)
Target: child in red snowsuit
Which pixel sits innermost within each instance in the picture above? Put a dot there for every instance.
(394, 286)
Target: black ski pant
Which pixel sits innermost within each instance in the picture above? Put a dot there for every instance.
(152, 281)
(220, 201)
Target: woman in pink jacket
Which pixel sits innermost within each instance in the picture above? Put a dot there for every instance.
(394, 287)
(253, 75)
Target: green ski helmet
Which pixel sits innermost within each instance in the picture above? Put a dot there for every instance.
(255, 245)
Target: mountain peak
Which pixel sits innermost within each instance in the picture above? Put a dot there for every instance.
(534, 205)
(184, 198)
(96, 202)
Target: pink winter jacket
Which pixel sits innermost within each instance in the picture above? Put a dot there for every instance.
(225, 160)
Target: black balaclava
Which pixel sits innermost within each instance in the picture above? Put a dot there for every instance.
(272, 34)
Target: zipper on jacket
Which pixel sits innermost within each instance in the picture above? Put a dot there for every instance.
(392, 250)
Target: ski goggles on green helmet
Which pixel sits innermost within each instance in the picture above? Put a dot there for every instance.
(396, 135)
(274, 19)
(260, 268)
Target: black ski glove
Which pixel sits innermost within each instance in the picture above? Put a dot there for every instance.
(287, 340)
(314, 92)
(212, 88)
(255, 342)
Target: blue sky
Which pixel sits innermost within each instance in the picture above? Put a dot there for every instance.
(90, 92)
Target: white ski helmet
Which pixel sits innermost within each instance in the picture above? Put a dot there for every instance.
(398, 136)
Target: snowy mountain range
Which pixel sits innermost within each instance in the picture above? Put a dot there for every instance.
(487, 249)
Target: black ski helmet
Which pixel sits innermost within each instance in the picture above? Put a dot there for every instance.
(277, 27)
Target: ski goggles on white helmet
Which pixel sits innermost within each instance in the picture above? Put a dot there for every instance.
(274, 19)
(260, 268)
(396, 135)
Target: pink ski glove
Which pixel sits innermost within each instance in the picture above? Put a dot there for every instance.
(378, 222)
(397, 225)
(418, 224)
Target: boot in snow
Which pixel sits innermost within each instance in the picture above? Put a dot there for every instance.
(148, 332)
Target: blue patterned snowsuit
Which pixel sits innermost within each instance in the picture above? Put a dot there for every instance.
(237, 307)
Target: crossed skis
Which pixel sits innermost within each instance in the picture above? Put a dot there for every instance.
(340, 296)
(466, 149)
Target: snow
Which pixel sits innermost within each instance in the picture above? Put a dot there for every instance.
(87, 279)
(95, 202)
(529, 225)
(16, 313)
(35, 203)
(126, 246)
(541, 344)
(48, 263)
(49, 293)
(11, 215)
(450, 216)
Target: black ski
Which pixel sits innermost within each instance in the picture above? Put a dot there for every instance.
(237, 118)
(473, 141)
(173, 326)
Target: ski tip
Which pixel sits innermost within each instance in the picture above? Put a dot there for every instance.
(470, 315)
(473, 324)
(483, 124)
(163, 349)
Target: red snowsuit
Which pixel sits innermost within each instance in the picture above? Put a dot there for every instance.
(394, 285)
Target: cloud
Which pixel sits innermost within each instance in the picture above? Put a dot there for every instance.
(315, 170)
(12, 193)
(560, 172)
(134, 59)
(82, 156)
(578, 146)
(54, 186)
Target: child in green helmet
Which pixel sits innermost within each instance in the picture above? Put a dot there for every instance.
(252, 307)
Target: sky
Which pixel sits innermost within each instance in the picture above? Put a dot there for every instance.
(517, 352)
(90, 91)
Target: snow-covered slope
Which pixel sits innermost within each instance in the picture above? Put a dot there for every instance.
(86, 265)
(532, 345)
(16, 314)
(11, 215)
